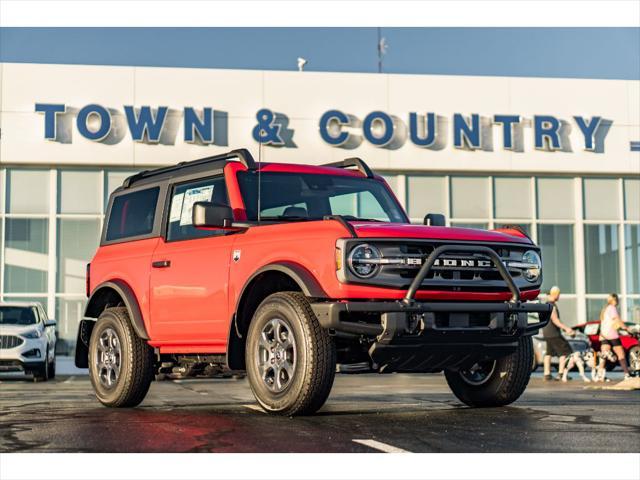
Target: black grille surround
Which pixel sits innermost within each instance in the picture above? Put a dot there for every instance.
(10, 341)
(458, 279)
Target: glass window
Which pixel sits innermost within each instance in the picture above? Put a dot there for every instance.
(426, 195)
(601, 199)
(10, 315)
(79, 191)
(481, 225)
(25, 255)
(77, 242)
(594, 307)
(132, 214)
(28, 191)
(555, 198)
(113, 180)
(316, 192)
(632, 257)
(632, 199)
(392, 181)
(3, 193)
(469, 197)
(633, 310)
(184, 196)
(556, 245)
(568, 311)
(601, 258)
(69, 312)
(512, 197)
(41, 300)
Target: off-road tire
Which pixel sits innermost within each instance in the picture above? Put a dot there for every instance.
(315, 364)
(137, 364)
(505, 384)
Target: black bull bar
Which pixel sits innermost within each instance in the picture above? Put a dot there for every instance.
(430, 335)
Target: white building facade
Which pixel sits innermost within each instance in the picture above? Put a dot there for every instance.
(559, 157)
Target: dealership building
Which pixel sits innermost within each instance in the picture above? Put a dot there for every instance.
(558, 157)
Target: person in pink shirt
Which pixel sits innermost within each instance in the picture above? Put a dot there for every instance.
(610, 323)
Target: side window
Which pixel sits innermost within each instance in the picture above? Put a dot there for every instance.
(132, 214)
(182, 199)
(43, 316)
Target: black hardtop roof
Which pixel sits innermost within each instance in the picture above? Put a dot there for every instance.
(219, 161)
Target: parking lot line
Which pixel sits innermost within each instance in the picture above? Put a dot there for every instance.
(383, 447)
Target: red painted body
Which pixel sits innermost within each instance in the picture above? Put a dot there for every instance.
(627, 341)
(188, 307)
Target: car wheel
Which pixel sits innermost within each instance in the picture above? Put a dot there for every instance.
(120, 362)
(633, 358)
(494, 383)
(52, 368)
(41, 374)
(290, 358)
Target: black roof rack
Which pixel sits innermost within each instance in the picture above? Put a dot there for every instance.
(352, 162)
(241, 154)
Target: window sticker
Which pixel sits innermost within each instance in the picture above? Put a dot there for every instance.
(176, 207)
(191, 196)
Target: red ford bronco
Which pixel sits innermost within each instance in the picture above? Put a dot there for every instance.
(294, 272)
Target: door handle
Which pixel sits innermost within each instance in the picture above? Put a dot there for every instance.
(161, 264)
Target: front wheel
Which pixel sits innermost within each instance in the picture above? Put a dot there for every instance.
(494, 383)
(290, 358)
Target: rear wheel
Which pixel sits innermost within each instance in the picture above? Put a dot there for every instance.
(494, 383)
(290, 358)
(120, 362)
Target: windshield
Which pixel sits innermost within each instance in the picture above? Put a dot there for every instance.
(17, 316)
(301, 196)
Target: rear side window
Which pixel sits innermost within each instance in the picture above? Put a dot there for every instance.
(132, 214)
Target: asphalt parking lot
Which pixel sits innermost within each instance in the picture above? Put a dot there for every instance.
(365, 413)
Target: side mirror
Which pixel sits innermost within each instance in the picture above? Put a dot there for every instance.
(435, 220)
(50, 323)
(212, 215)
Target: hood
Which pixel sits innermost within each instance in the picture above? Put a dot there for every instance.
(18, 329)
(403, 230)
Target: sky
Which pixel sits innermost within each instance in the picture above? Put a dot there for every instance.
(606, 53)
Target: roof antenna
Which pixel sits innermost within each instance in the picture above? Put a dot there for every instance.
(259, 175)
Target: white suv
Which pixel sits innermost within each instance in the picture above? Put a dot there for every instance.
(27, 340)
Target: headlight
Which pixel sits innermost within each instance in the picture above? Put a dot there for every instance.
(364, 261)
(532, 265)
(32, 334)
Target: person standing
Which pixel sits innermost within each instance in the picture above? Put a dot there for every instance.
(557, 346)
(610, 323)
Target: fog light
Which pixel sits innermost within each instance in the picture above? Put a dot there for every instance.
(33, 353)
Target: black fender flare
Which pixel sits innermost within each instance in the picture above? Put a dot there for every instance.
(305, 280)
(303, 277)
(95, 305)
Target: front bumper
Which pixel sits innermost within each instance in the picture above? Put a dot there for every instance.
(398, 318)
(27, 356)
(432, 336)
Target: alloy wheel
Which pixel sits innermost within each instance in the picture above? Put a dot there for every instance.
(277, 356)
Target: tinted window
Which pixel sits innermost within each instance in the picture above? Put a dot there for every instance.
(184, 196)
(132, 214)
(17, 316)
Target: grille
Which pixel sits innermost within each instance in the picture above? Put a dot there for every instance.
(10, 341)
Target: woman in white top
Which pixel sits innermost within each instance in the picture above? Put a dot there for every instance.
(610, 323)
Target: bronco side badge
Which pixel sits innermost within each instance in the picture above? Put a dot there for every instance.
(236, 255)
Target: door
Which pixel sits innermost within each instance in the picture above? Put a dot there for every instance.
(189, 276)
